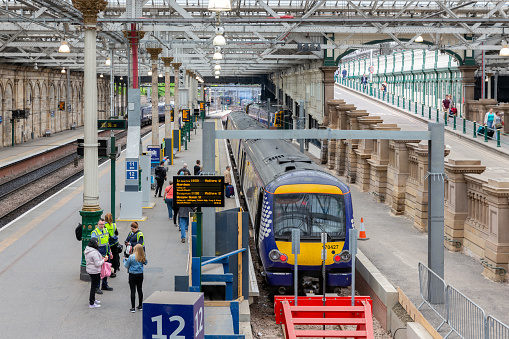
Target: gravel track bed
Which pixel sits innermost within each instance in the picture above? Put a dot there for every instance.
(35, 175)
(18, 202)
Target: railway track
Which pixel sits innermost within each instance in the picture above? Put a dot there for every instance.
(28, 190)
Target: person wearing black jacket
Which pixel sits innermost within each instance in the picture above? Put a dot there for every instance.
(184, 169)
(197, 167)
(134, 237)
(160, 173)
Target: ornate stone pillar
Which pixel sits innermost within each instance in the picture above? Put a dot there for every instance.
(154, 56)
(333, 124)
(176, 106)
(352, 144)
(342, 144)
(328, 90)
(168, 124)
(496, 250)
(91, 211)
(364, 151)
(468, 81)
(456, 202)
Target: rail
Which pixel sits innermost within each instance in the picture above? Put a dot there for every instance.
(432, 113)
(465, 318)
(501, 270)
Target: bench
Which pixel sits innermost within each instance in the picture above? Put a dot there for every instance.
(47, 133)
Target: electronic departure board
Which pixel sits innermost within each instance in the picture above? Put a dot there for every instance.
(198, 191)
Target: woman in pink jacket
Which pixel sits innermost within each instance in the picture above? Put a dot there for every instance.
(94, 261)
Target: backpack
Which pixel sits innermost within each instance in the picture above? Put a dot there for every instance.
(78, 231)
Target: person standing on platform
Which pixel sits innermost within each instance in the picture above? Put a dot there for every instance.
(94, 261)
(103, 240)
(489, 120)
(498, 123)
(134, 265)
(184, 221)
(197, 167)
(135, 237)
(168, 198)
(446, 103)
(227, 182)
(113, 240)
(184, 169)
(364, 81)
(160, 173)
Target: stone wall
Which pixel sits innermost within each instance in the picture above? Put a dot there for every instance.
(40, 91)
(476, 207)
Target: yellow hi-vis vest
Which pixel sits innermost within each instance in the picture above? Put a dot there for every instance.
(102, 236)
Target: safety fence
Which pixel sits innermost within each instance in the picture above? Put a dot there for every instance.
(464, 317)
(457, 122)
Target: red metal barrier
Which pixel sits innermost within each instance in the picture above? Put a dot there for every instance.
(337, 311)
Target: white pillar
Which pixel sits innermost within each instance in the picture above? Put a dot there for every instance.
(90, 172)
(155, 108)
(176, 67)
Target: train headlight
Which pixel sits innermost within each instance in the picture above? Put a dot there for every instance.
(344, 256)
(277, 256)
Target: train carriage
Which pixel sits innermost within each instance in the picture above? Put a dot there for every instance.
(285, 190)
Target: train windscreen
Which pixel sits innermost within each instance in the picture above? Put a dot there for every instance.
(312, 213)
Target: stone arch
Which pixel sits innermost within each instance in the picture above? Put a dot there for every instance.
(44, 109)
(29, 100)
(8, 102)
(36, 113)
(51, 106)
(374, 42)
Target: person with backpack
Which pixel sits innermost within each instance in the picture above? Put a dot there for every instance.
(184, 169)
(102, 236)
(160, 173)
(134, 265)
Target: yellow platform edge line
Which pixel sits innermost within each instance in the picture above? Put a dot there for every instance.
(142, 219)
(150, 206)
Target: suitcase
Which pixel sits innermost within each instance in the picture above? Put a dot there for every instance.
(480, 130)
(229, 191)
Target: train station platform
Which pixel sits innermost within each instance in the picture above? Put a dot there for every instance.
(395, 247)
(12, 154)
(43, 296)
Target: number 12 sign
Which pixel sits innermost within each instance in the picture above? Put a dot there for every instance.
(174, 315)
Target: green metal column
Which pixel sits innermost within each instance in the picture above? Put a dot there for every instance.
(113, 159)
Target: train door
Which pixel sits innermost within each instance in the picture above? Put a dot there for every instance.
(242, 167)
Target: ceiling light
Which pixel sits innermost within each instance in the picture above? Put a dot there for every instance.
(217, 56)
(101, 76)
(505, 49)
(217, 72)
(486, 79)
(121, 78)
(217, 77)
(107, 62)
(149, 73)
(419, 39)
(217, 67)
(219, 5)
(35, 66)
(219, 40)
(63, 70)
(64, 48)
(160, 75)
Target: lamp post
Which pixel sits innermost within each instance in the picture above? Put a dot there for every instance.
(91, 211)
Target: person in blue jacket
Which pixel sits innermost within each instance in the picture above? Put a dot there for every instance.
(134, 265)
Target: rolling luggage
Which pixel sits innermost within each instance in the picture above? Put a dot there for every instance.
(229, 191)
(480, 130)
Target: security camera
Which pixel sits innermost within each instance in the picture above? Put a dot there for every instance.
(219, 30)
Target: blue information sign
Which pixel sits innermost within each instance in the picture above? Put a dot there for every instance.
(131, 170)
(155, 154)
(175, 315)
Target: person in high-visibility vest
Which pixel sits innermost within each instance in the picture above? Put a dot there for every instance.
(102, 235)
(133, 238)
(113, 241)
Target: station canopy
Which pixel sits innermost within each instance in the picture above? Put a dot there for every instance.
(262, 36)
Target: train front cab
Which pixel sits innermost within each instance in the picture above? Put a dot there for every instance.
(313, 208)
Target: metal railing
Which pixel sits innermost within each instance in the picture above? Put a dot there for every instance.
(496, 329)
(430, 112)
(465, 318)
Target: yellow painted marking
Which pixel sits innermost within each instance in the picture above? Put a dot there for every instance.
(310, 252)
(151, 205)
(308, 188)
(142, 219)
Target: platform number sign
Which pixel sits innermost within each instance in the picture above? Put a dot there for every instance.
(132, 170)
(167, 315)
